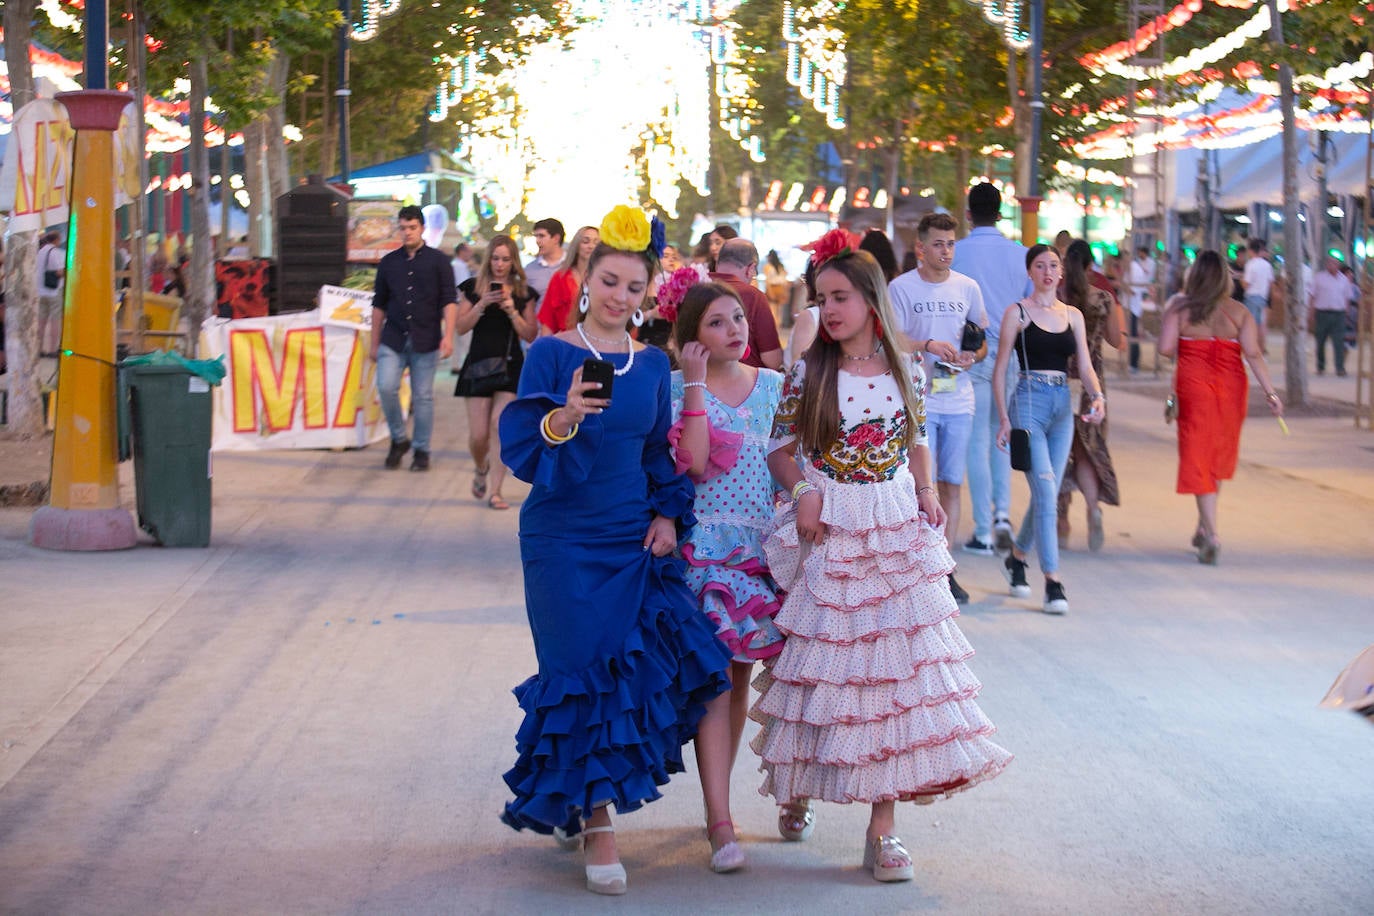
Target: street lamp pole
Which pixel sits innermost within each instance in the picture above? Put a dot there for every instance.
(1030, 198)
(97, 59)
(343, 92)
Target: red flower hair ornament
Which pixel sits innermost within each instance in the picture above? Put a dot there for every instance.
(671, 293)
(835, 242)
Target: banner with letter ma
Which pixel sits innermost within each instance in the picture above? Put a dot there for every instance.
(292, 381)
(35, 179)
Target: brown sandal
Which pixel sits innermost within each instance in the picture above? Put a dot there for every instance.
(479, 482)
(496, 502)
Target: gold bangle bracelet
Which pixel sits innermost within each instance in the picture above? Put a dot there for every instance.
(553, 438)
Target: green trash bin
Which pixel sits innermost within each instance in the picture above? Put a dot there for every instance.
(166, 411)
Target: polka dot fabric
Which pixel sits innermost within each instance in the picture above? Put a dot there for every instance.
(724, 553)
(871, 698)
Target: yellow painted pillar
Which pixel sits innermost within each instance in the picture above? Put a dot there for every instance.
(84, 512)
(1030, 220)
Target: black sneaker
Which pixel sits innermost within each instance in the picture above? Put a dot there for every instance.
(398, 450)
(960, 596)
(421, 461)
(1055, 601)
(1015, 571)
(982, 548)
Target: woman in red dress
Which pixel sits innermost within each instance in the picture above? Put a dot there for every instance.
(565, 286)
(1210, 332)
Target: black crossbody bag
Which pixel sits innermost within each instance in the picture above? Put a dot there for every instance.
(1019, 443)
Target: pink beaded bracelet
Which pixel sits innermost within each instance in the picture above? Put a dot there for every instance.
(694, 413)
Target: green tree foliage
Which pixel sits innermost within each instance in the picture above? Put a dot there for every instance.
(394, 76)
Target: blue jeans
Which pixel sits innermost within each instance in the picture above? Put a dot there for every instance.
(989, 468)
(1046, 411)
(390, 365)
(948, 435)
(1256, 306)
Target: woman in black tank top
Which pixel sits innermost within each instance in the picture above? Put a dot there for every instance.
(1043, 333)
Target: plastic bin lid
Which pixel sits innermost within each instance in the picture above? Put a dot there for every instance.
(212, 370)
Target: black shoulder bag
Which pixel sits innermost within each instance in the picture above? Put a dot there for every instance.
(484, 377)
(1019, 443)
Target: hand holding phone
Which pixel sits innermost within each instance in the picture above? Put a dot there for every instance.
(601, 372)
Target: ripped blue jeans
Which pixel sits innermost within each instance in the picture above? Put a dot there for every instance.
(1044, 408)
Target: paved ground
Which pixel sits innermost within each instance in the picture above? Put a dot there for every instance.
(313, 714)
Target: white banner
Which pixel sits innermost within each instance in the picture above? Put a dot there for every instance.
(35, 181)
(292, 381)
(348, 308)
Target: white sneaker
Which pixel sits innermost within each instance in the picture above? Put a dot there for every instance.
(1002, 537)
(1056, 602)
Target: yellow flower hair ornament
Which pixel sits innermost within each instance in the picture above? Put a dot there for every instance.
(628, 229)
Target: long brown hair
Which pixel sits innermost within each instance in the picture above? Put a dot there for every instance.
(578, 269)
(1077, 257)
(818, 418)
(1205, 286)
(572, 257)
(519, 289)
(695, 302)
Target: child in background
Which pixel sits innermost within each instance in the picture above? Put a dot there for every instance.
(870, 700)
(724, 413)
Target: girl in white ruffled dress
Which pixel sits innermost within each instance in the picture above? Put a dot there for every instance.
(870, 700)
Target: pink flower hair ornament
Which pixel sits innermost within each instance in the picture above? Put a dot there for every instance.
(833, 243)
(671, 293)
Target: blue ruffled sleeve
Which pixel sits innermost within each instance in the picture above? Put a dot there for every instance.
(670, 494)
(544, 382)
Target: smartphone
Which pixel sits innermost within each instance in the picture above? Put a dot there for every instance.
(497, 287)
(601, 371)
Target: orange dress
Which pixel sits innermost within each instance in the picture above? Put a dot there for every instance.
(1212, 391)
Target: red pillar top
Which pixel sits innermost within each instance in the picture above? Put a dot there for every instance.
(95, 109)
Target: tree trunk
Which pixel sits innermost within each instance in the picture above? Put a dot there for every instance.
(259, 209)
(894, 166)
(1295, 317)
(1020, 111)
(326, 130)
(278, 161)
(25, 400)
(962, 167)
(200, 286)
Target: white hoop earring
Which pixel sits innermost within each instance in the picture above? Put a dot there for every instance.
(584, 303)
(637, 319)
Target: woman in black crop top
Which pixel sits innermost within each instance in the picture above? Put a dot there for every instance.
(1043, 333)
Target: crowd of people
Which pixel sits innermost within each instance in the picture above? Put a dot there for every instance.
(708, 499)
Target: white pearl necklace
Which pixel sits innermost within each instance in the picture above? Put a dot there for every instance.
(597, 353)
(877, 348)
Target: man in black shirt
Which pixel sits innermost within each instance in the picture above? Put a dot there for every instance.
(414, 306)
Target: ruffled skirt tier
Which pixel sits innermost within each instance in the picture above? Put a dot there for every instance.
(870, 699)
(726, 569)
(613, 732)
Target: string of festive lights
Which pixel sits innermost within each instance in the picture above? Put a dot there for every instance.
(733, 86)
(1006, 15)
(577, 122)
(1198, 58)
(372, 13)
(816, 62)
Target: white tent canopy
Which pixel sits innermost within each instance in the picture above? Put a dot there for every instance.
(1238, 137)
(1254, 174)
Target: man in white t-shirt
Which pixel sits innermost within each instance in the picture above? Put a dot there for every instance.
(548, 240)
(1328, 297)
(931, 304)
(1256, 279)
(51, 271)
(1140, 279)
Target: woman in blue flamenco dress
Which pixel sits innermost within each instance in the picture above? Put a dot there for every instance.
(627, 661)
